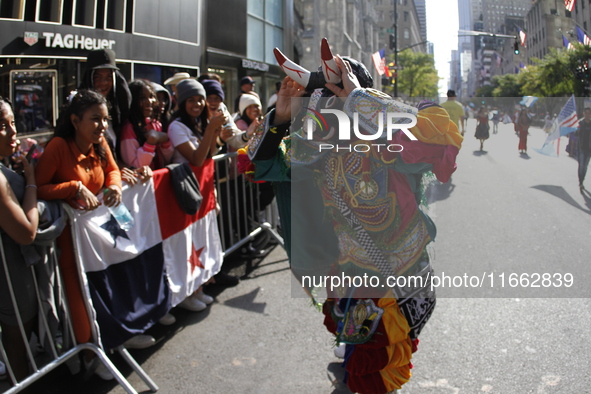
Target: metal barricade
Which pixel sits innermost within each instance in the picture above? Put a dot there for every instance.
(62, 348)
(241, 220)
(242, 217)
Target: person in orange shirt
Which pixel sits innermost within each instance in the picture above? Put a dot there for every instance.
(76, 166)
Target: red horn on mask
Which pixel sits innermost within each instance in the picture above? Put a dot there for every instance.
(331, 71)
(294, 71)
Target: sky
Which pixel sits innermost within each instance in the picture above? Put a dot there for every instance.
(442, 31)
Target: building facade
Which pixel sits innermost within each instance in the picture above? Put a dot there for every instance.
(546, 26)
(45, 43)
(349, 26)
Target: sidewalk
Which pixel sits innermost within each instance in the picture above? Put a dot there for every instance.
(254, 338)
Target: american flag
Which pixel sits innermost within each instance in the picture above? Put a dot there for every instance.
(566, 122)
(379, 62)
(567, 118)
(570, 4)
(498, 59)
(583, 38)
(522, 37)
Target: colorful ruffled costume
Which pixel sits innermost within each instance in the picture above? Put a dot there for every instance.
(371, 200)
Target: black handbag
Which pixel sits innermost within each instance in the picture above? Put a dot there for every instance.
(186, 187)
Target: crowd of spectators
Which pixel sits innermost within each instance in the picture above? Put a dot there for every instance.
(111, 131)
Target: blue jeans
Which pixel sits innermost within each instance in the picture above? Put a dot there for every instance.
(583, 159)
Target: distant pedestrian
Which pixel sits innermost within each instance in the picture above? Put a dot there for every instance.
(496, 117)
(482, 129)
(522, 124)
(454, 109)
(584, 154)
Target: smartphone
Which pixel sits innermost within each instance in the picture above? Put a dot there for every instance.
(32, 150)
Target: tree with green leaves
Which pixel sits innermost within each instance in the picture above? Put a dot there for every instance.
(418, 77)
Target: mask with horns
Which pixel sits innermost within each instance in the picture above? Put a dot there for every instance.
(327, 73)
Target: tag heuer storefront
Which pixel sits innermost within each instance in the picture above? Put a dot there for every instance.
(42, 62)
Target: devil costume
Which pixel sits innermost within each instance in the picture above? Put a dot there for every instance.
(365, 213)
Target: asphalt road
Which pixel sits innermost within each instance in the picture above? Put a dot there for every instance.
(501, 214)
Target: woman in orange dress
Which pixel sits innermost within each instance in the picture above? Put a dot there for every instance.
(76, 166)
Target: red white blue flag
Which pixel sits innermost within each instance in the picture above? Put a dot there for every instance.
(134, 277)
(379, 62)
(582, 37)
(522, 37)
(570, 4)
(567, 44)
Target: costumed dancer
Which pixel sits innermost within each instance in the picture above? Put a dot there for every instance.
(370, 199)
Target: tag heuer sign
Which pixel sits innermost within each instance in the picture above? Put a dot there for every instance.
(31, 37)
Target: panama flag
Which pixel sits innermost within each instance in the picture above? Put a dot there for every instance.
(134, 277)
(582, 37)
(570, 4)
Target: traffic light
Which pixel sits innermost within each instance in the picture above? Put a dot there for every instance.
(516, 47)
(392, 41)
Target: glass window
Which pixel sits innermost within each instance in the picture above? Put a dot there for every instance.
(274, 12)
(84, 12)
(264, 29)
(406, 34)
(49, 11)
(273, 38)
(256, 7)
(12, 9)
(255, 42)
(115, 14)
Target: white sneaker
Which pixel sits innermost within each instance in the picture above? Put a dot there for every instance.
(201, 296)
(339, 351)
(101, 371)
(192, 304)
(139, 342)
(167, 320)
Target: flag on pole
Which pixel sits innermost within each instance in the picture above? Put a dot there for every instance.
(567, 43)
(583, 38)
(565, 123)
(498, 59)
(522, 37)
(570, 4)
(379, 62)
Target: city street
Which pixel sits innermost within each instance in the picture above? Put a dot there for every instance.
(502, 213)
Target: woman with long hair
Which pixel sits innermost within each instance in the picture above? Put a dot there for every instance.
(143, 144)
(103, 76)
(76, 166)
(194, 135)
(18, 226)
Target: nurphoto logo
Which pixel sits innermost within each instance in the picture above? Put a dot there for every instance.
(386, 127)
